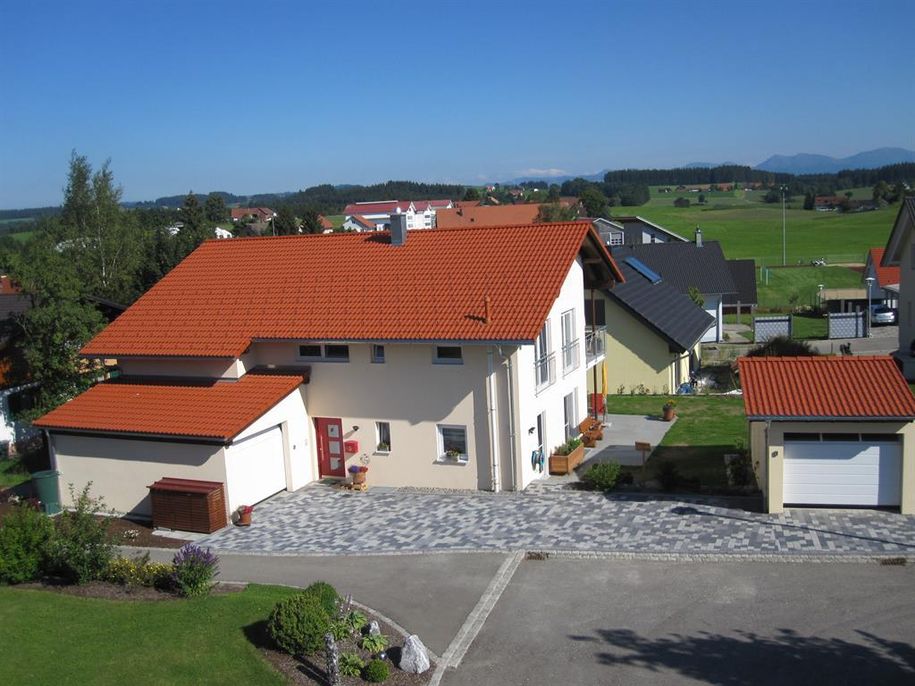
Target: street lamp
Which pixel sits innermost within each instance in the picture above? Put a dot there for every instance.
(869, 280)
(784, 190)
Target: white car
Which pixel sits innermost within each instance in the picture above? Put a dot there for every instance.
(881, 314)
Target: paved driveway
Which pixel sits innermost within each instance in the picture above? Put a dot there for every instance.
(322, 520)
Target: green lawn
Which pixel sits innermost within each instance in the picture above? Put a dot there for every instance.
(749, 228)
(706, 429)
(778, 286)
(51, 638)
(12, 473)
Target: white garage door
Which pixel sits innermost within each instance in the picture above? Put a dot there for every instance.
(826, 472)
(255, 468)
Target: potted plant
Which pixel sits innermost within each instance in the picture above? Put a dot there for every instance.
(567, 457)
(453, 454)
(668, 409)
(358, 471)
(244, 515)
(383, 447)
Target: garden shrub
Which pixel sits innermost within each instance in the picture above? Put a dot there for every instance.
(355, 620)
(376, 671)
(668, 475)
(739, 471)
(602, 477)
(350, 664)
(326, 595)
(25, 538)
(193, 570)
(82, 549)
(567, 447)
(298, 623)
(374, 643)
(139, 571)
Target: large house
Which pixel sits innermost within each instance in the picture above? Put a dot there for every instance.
(438, 358)
(259, 214)
(420, 214)
(488, 215)
(900, 252)
(633, 230)
(885, 284)
(689, 266)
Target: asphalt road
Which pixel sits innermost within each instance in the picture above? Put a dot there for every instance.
(734, 624)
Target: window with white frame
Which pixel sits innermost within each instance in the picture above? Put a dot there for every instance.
(383, 437)
(570, 412)
(448, 354)
(452, 443)
(544, 367)
(329, 352)
(569, 341)
(378, 353)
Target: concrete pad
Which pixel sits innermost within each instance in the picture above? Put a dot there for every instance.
(429, 595)
(649, 623)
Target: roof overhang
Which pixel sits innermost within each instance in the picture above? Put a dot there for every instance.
(825, 418)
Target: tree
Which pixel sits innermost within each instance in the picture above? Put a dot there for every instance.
(471, 194)
(681, 202)
(96, 234)
(702, 198)
(594, 202)
(215, 208)
(194, 229)
(57, 325)
(809, 201)
(311, 221)
(554, 193)
(696, 296)
(633, 195)
(554, 212)
(285, 223)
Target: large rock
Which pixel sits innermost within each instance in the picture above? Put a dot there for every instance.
(374, 629)
(414, 657)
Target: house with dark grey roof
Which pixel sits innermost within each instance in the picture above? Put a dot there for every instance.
(638, 231)
(696, 265)
(652, 332)
(745, 299)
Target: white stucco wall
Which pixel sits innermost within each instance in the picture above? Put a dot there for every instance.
(121, 469)
(713, 307)
(208, 367)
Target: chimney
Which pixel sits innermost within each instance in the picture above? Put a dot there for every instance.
(698, 237)
(398, 229)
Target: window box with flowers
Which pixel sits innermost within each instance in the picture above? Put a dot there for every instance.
(567, 456)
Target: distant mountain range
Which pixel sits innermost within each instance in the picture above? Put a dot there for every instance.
(806, 163)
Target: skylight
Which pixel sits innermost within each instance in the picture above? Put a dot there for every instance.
(642, 269)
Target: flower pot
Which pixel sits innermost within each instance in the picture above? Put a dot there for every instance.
(359, 478)
(669, 414)
(565, 464)
(244, 518)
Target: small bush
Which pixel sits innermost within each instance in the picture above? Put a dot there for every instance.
(351, 664)
(376, 671)
(298, 624)
(374, 643)
(567, 447)
(25, 539)
(356, 620)
(602, 477)
(339, 629)
(326, 595)
(739, 471)
(668, 475)
(82, 549)
(783, 346)
(139, 571)
(193, 570)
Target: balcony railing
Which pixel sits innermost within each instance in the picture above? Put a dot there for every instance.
(595, 345)
(545, 371)
(570, 357)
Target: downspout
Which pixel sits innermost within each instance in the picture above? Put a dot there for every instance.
(511, 419)
(594, 343)
(491, 420)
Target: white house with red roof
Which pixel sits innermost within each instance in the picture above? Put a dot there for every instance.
(885, 279)
(420, 214)
(900, 253)
(451, 358)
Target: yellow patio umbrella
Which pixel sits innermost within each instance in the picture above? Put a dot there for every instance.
(603, 386)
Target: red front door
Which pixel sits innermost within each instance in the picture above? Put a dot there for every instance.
(331, 460)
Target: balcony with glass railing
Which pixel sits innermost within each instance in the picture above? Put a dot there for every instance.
(570, 357)
(595, 346)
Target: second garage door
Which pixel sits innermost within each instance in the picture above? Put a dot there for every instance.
(255, 468)
(832, 472)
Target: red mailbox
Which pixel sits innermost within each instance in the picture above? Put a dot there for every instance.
(351, 446)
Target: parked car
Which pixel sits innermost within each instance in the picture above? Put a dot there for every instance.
(881, 314)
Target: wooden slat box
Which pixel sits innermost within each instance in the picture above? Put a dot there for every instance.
(188, 505)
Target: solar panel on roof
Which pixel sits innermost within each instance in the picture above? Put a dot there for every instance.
(642, 269)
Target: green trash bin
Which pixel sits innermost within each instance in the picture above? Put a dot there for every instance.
(48, 493)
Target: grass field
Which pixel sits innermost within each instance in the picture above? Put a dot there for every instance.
(12, 473)
(749, 228)
(707, 427)
(51, 638)
(778, 287)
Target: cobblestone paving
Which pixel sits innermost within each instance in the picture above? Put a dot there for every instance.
(321, 520)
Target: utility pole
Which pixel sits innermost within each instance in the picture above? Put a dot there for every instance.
(784, 190)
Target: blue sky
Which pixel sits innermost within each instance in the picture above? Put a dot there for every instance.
(279, 95)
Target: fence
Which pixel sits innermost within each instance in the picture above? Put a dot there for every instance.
(847, 325)
(765, 328)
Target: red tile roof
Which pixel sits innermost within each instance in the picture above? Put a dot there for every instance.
(352, 286)
(807, 388)
(211, 410)
(487, 215)
(383, 207)
(263, 212)
(367, 223)
(8, 286)
(325, 222)
(886, 276)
